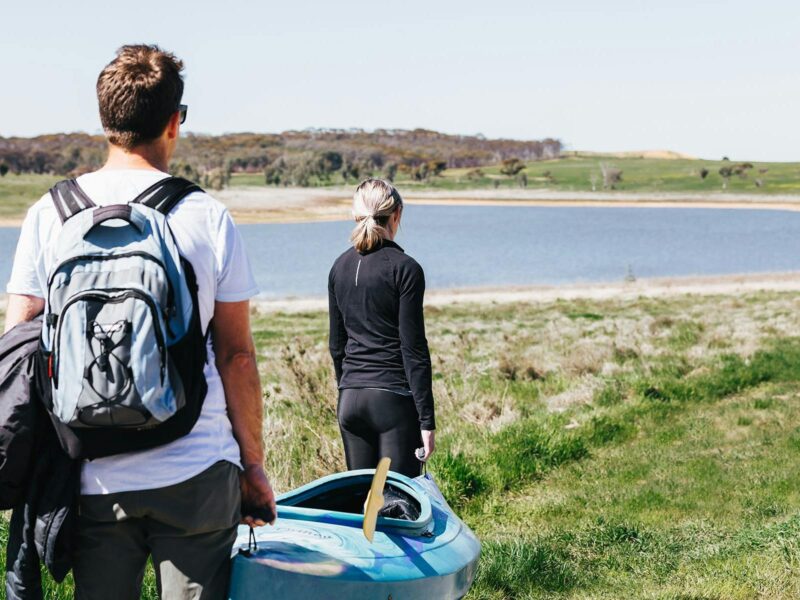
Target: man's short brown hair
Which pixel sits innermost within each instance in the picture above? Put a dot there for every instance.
(138, 92)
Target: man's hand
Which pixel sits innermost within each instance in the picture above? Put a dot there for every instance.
(428, 444)
(256, 494)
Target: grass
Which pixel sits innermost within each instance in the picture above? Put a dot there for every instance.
(582, 174)
(247, 179)
(609, 449)
(18, 192)
(638, 175)
(614, 449)
(574, 173)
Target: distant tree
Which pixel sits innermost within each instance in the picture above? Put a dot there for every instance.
(420, 172)
(63, 154)
(725, 173)
(741, 169)
(611, 176)
(215, 178)
(474, 174)
(366, 167)
(436, 167)
(299, 175)
(377, 159)
(275, 172)
(704, 173)
(389, 171)
(328, 163)
(185, 170)
(522, 180)
(725, 158)
(511, 166)
(496, 183)
(357, 169)
(66, 154)
(3, 169)
(350, 169)
(302, 168)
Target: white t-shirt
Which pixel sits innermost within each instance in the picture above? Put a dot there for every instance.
(207, 237)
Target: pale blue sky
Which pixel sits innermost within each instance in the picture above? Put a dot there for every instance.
(703, 77)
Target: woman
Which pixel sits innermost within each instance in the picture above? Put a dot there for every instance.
(377, 340)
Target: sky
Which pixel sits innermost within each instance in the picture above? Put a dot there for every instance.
(707, 78)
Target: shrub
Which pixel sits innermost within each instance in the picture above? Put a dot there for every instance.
(512, 166)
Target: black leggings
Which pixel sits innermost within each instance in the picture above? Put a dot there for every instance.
(377, 423)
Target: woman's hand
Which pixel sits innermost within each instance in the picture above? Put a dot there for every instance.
(257, 496)
(428, 444)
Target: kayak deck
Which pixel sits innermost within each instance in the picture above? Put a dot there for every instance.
(315, 551)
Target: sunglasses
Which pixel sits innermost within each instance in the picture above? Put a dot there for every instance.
(183, 109)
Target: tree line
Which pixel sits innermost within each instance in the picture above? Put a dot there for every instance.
(288, 158)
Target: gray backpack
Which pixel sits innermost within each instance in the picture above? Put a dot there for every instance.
(122, 338)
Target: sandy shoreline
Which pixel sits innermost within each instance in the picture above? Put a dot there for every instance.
(253, 205)
(647, 288)
(660, 287)
(291, 205)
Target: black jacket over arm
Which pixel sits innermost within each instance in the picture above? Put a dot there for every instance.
(377, 329)
(37, 477)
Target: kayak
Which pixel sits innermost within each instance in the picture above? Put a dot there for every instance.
(319, 547)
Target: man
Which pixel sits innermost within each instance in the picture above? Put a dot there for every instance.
(180, 502)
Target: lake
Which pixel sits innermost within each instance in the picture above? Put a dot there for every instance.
(477, 246)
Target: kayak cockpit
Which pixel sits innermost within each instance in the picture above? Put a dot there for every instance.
(340, 499)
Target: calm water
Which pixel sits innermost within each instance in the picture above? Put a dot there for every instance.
(494, 246)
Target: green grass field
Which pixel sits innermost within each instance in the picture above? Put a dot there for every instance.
(18, 192)
(645, 175)
(640, 175)
(606, 449)
(577, 174)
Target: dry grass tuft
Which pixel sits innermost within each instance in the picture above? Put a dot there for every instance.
(301, 433)
(582, 393)
(587, 357)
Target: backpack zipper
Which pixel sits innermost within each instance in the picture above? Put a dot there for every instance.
(139, 253)
(111, 299)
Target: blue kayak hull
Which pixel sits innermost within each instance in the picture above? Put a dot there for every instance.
(250, 581)
(323, 554)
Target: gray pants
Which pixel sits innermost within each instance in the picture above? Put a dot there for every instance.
(188, 528)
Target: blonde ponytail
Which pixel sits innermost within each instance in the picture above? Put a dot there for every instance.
(374, 201)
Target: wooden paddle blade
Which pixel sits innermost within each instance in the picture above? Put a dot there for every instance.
(375, 498)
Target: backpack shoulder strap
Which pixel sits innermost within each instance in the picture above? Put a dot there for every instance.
(69, 199)
(165, 194)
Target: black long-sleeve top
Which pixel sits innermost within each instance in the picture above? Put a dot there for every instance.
(377, 329)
